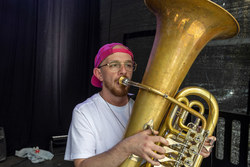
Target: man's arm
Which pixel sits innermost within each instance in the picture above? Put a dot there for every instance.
(113, 157)
(141, 144)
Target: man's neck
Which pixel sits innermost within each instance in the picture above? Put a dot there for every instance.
(114, 100)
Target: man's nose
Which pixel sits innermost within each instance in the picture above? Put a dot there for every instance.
(123, 69)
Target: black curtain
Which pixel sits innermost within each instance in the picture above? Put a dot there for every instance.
(47, 49)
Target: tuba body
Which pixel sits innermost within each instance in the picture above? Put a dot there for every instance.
(184, 27)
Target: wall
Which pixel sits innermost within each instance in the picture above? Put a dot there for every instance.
(223, 67)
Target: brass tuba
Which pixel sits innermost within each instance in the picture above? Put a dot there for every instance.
(184, 27)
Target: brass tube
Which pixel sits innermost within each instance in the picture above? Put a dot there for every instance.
(125, 81)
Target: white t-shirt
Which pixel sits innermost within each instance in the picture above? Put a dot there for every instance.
(96, 127)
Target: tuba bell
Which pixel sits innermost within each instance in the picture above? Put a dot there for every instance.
(183, 28)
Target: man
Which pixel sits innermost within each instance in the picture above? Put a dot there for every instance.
(98, 124)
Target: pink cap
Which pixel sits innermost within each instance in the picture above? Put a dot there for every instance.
(104, 52)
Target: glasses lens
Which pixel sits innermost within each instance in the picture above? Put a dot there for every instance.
(129, 66)
(115, 66)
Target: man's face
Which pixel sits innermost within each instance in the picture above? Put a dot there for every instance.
(111, 79)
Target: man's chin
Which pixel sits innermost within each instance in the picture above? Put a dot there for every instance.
(117, 89)
(122, 91)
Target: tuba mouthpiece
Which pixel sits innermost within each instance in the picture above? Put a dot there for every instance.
(123, 81)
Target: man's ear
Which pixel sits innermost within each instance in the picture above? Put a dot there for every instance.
(98, 74)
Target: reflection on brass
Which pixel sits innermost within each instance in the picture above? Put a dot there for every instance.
(183, 28)
(169, 150)
(150, 125)
(134, 157)
(166, 159)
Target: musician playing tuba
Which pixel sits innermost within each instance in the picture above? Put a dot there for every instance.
(95, 137)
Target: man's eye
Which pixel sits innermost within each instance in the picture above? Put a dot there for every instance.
(129, 65)
(114, 65)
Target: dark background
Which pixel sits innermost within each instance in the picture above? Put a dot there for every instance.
(47, 50)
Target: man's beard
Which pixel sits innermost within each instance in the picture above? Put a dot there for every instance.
(120, 92)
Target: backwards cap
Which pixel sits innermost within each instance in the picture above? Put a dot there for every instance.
(104, 52)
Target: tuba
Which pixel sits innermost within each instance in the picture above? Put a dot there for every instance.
(183, 28)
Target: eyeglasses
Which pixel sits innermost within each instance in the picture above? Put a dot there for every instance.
(115, 66)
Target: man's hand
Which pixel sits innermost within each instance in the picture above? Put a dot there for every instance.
(143, 144)
(209, 142)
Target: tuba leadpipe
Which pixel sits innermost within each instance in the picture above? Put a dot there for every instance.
(126, 82)
(183, 28)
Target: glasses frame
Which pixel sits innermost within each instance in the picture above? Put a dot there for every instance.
(108, 64)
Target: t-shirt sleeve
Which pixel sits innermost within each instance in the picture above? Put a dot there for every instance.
(81, 139)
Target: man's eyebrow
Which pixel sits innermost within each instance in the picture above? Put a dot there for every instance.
(120, 61)
(129, 61)
(114, 61)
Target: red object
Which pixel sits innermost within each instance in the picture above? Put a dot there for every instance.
(104, 52)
